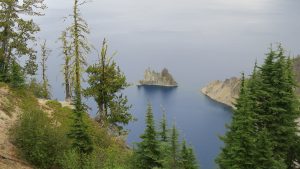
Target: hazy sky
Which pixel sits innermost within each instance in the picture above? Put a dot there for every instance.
(190, 37)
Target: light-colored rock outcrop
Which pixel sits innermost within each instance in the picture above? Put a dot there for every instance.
(68, 104)
(164, 78)
(8, 152)
(224, 92)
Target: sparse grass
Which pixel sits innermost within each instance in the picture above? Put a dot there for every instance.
(26, 100)
(7, 103)
(8, 108)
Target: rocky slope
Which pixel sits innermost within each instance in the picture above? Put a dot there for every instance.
(9, 112)
(164, 78)
(223, 91)
(8, 116)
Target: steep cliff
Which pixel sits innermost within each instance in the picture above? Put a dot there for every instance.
(227, 91)
(223, 91)
(164, 78)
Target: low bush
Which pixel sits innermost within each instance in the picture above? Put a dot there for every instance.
(38, 89)
(43, 141)
(38, 140)
(72, 160)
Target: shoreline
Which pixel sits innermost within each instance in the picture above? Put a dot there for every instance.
(215, 99)
(157, 85)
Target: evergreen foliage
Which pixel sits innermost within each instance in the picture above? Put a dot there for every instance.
(239, 140)
(187, 157)
(16, 76)
(162, 150)
(174, 148)
(45, 84)
(263, 132)
(164, 129)
(279, 106)
(147, 152)
(264, 154)
(42, 139)
(106, 83)
(67, 67)
(81, 139)
(39, 141)
(16, 33)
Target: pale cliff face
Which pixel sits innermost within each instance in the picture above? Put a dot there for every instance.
(224, 92)
(161, 79)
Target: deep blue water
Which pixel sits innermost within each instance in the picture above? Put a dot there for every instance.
(199, 119)
(197, 40)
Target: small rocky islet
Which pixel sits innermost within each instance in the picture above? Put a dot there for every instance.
(153, 78)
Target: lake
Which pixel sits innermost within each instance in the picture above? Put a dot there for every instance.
(197, 40)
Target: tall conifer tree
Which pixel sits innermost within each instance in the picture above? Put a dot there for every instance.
(44, 57)
(16, 33)
(279, 106)
(67, 67)
(174, 148)
(273, 108)
(164, 128)
(106, 85)
(81, 139)
(187, 157)
(265, 157)
(164, 142)
(238, 151)
(147, 152)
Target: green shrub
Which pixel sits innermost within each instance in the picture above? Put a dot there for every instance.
(116, 158)
(56, 105)
(43, 141)
(71, 160)
(39, 142)
(38, 89)
(17, 76)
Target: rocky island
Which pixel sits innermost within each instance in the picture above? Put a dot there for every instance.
(152, 78)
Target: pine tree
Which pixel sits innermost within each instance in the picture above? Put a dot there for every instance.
(164, 142)
(67, 68)
(238, 151)
(45, 84)
(17, 33)
(271, 109)
(106, 84)
(278, 105)
(265, 157)
(80, 47)
(147, 152)
(78, 132)
(164, 129)
(17, 77)
(187, 157)
(170, 151)
(174, 148)
(294, 148)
